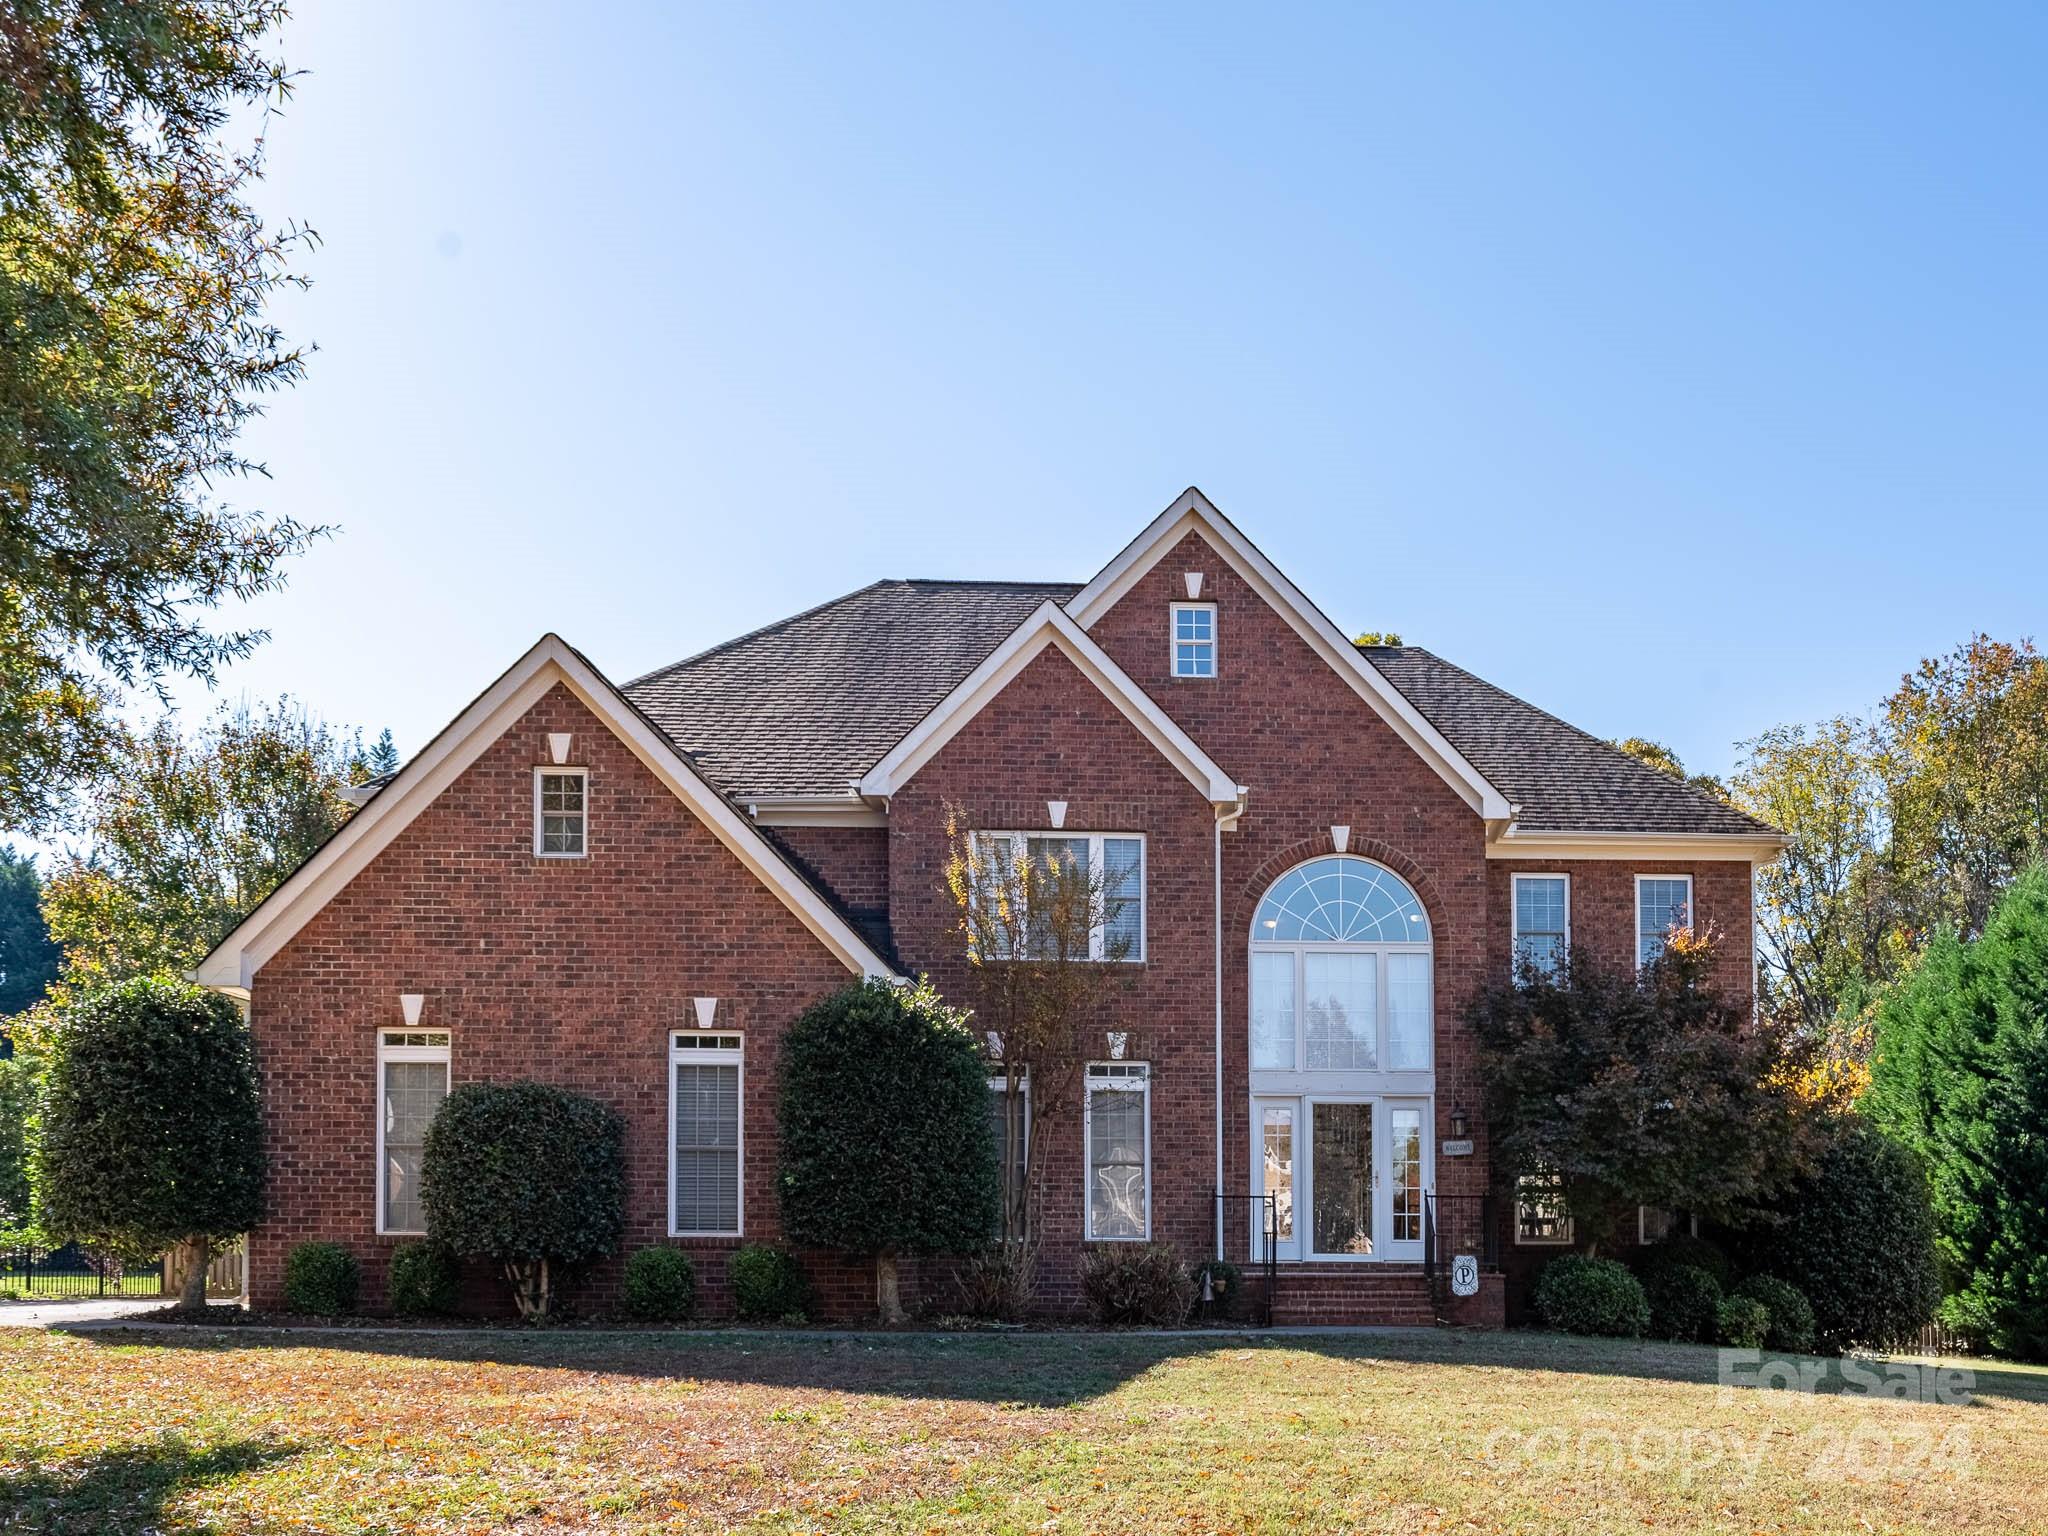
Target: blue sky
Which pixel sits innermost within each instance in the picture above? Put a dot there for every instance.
(1681, 368)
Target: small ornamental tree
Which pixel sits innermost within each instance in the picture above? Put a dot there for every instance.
(527, 1176)
(151, 1133)
(1649, 1089)
(887, 1149)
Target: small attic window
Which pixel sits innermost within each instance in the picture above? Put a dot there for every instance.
(559, 812)
(1194, 639)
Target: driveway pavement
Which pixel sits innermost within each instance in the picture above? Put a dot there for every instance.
(53, 1313)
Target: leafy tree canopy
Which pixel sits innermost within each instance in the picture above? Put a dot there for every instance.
(134, 274)
(1639, 1090)
(1960, 1075)
(1378, 637)
(1664, 760)
(28, 955)
(151, 1135)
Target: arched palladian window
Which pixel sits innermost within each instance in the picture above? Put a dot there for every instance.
(1340, 973)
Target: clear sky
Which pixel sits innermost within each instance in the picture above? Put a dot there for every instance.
(1680, 368)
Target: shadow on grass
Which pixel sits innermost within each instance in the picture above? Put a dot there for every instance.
(127, 1491)
(1044, 1370)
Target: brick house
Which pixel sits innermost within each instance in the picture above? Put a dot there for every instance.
(1326, 849)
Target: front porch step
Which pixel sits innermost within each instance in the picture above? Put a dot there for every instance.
(1352, 1296)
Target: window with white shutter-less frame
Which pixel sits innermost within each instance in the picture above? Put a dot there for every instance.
(412, 1080)
(706, 1134)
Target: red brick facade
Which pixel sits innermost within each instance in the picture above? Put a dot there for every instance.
(574, 971)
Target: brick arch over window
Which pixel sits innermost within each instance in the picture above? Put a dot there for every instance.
(1249, 894)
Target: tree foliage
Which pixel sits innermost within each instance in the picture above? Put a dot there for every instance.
(527, 1176)
(134, 275)
(886, 1145)
(151, 1133)
(1960, 1075)
(1660, 757)
(188, 835)
(1028, 924)
(1650, 1089)
(28, 955)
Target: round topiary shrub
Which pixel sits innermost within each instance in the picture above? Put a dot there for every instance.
(1791, 1325)
(1576, 1294)
(1683, 1248)
(768, 1285)
(424, 1280)
(661, 1285)
(1742, 1322)
(1138, 1283)
(1683, 1303)
(527, 1176)
(1857, 1239)
(321, 1279)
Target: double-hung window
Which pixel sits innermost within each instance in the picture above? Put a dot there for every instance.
(1663, 902)
(1194, 639)
(1117, 1150)
(1541, 1215)
(707, 1122)
(1543, 922)
(412, 1080)
(1114, 863)
(561, 812)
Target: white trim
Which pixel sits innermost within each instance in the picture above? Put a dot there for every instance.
(442, 1053)
(1174, 642)
(1114, 1077)
(815, 811)
(1635, 936)
(1519, 843)
(236, 959)
(703, 1052)
(1515, 910)
(1098, 935)
(552, 771)
(1049, 625)
(1192, 511)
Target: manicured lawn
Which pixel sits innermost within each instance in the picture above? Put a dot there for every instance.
(1424, 1432)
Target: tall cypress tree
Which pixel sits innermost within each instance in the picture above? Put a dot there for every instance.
(1961, 1076)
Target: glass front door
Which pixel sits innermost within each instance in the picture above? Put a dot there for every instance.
(1347, 1176)
(1341, 1180)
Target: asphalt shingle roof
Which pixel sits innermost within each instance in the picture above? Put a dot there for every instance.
(809, 704)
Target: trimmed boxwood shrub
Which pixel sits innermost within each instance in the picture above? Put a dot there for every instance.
(1683, 1303)
(425, 1280)
(1742, 1322)
(1138, 1283)
(527, 1176)
(768, 1285)
(1226, 1282)
(661, 1285)
(1683, 1248)
(1576, 1294)
(1857, 1239)
(1791, 1313)
(321, 1279)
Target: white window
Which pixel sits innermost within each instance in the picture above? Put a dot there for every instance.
(1012, 1162)
(1194, 639)
(1116, 859)
(1543, 921)
(1663, 902)
(1541, 1216)
(560, 812)
(706, 1123)
(412, 1080)
(1117, 1150)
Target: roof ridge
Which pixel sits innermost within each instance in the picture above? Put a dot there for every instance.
(755, 634)
(1601, 742)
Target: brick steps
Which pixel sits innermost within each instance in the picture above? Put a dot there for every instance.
(1351, 1297)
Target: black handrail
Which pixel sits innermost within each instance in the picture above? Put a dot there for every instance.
(1470, 1219)
(1269, 1228)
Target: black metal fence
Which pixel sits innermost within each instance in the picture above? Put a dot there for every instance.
(72, 1271)
(1454, 1225)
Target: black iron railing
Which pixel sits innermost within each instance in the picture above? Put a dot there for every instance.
(1264, 1213)
(72, 1271)
(1453, 1225)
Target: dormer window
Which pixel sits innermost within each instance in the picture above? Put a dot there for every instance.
(1194, 639)
(560, 810)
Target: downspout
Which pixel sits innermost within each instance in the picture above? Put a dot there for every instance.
(1218, 867)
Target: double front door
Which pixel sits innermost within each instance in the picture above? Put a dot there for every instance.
(1346, 1175)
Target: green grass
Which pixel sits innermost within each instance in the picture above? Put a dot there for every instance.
(1411, 1433)
(80, 1287)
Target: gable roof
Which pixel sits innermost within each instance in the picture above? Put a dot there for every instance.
(1192, 512)
(1049, 627)
(1564, 779)
(234, 962)
(807, 705)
